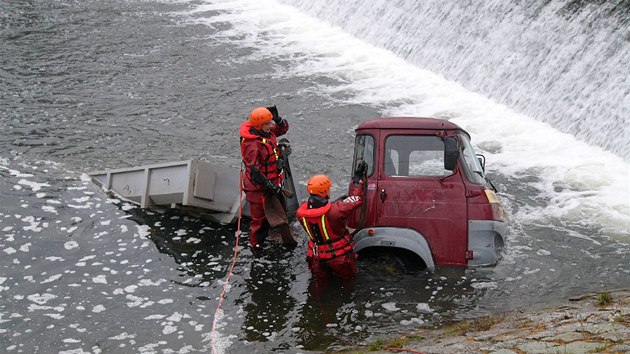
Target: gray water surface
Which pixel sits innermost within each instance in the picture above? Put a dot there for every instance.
(93, 85)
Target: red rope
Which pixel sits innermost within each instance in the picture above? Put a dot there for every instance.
(231, 270)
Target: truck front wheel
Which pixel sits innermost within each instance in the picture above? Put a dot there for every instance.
(392, 260)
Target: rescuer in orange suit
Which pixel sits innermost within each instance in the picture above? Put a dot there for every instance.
(263, 170)
(330, 246)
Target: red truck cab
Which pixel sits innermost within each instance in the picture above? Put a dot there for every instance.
(427, 194)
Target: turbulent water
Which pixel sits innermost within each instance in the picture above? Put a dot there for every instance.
(561, 62)
(91, 85)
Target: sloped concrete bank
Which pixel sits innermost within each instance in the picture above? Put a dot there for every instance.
(593, 323)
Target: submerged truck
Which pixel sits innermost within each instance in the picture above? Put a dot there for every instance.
(427, 194)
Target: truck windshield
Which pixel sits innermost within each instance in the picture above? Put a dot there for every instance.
(472, 166)
(364, 150)
(414, 155)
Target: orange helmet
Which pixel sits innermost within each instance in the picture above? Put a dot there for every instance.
(319, 185)
(260, 116)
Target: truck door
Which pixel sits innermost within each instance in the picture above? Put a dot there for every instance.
(365, 149)
(415, 191)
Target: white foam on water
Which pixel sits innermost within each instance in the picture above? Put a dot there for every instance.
(52, 278)
(424, 307)
(49, 209)
(55, 259)
(143, 230)
(88, 205)
(35, 186)
(130, 289)
(41, 299)
(100, 279)
(390, 306)
(71, 245)
(412, 321)
(484, 285)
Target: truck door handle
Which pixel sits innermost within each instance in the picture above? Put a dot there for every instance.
(383, 195)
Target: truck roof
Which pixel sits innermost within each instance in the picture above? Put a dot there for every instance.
(423, 123)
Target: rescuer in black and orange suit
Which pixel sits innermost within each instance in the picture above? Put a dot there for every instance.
(330, 246)
(263, 170)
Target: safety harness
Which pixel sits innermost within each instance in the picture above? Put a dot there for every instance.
(323, 242)
(270, 168)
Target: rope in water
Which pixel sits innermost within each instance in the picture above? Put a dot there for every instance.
(213, 334)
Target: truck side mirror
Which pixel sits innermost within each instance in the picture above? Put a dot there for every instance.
(451, 153)
(482, 162)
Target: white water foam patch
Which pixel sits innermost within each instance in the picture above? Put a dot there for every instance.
(412, 321)
(2, 288)
(143, 230)
(424, 307)
(71, 245)
(49, 209)
(41, 299)
(579, 184)
(85, 178)
(34, 225)
(51, 279)
(484, 285)
(35, 186)
(390, 306)
(100, 279)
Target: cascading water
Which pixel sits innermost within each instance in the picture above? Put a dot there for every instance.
(562, 62)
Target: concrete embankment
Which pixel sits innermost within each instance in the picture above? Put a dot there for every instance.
(594, 323)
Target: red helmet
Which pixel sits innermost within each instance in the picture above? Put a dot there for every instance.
(260, 116)
(319, 185)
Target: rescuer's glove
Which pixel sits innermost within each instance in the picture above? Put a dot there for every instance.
(276, 189)
(341, 197)
(274, 113)
(360, 171)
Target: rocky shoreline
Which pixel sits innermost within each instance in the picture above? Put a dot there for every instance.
(593, 323)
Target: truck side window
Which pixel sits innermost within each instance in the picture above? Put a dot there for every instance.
(364, 150)
(390, 168)
(414, 155)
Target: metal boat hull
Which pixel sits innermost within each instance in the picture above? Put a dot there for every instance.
(196, 186)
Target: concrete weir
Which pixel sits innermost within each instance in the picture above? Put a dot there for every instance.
(593, 323)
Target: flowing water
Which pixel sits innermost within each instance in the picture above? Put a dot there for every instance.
(542, 87)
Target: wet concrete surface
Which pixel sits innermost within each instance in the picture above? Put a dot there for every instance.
(592, 323)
